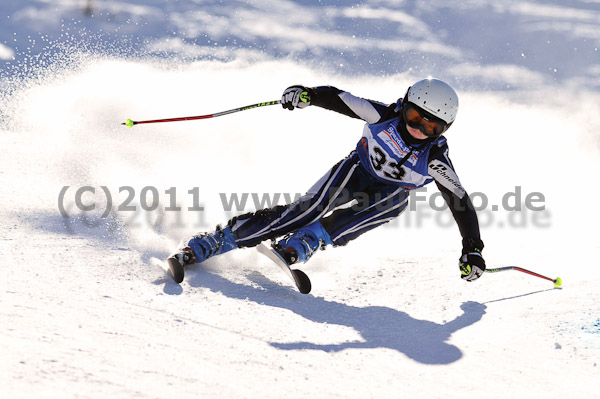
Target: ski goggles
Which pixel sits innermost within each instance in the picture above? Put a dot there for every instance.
(418, 118)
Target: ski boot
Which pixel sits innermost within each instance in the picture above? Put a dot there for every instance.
(300, 245)
(200, 248)
(207, 245)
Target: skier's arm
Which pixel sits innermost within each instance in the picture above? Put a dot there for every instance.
(440, 168)
(465, 216)
(337, 100)
(471, 263)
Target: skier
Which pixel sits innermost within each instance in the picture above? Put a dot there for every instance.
(402, 148)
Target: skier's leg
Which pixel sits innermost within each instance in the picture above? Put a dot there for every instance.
(383, 203)
(252, 228)
(330, 191)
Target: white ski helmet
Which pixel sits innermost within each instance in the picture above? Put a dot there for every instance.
(435, 97)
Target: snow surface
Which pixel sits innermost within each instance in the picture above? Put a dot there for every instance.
(86, 306)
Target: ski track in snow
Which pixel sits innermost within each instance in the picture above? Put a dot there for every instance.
(88, 310)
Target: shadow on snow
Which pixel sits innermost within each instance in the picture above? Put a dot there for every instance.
(380, 327)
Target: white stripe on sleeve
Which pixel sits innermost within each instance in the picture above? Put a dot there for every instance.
(361, 107)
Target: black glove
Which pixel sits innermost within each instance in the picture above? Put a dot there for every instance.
(296, 97)
(471, 263)
(472, 266)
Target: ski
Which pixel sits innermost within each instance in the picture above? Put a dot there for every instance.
(176, 269)
(297, 276)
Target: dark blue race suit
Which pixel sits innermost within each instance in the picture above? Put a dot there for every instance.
(370, 186)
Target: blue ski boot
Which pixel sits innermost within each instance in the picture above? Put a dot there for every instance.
(207, 245)
(200, 248)
(300, 245)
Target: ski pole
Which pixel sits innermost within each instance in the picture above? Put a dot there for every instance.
(557, 281)
(129, 123)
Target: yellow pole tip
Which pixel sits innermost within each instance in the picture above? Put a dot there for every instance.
(558, 282)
